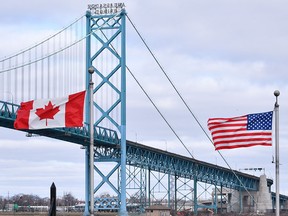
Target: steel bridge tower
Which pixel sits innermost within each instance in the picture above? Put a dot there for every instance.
(107, 56)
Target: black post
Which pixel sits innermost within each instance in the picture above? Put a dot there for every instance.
(52, 211)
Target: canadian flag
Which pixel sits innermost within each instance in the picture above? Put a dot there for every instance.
(51, 113)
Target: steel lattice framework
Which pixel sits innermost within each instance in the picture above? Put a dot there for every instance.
(103, 33)
(145, 160)
(165, 162)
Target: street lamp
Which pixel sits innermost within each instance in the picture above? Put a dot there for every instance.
(91, 123)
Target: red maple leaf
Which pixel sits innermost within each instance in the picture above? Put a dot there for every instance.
(48, 112)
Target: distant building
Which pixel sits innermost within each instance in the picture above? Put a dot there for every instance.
(9, 207)
(157, 210)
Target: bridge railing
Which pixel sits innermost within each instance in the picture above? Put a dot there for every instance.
(8, 112)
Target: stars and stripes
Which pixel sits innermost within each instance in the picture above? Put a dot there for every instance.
(243, 131)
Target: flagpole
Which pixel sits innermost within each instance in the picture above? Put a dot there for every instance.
(276, 110)
(91, 170)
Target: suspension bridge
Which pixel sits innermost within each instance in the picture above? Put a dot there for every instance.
(59, 65)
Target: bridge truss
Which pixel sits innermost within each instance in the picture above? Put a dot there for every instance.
(152, 175)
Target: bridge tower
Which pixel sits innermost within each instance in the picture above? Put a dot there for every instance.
(106, 53)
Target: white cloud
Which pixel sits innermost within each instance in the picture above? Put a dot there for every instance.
(226, 58)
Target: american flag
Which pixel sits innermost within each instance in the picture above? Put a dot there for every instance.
(242, 131)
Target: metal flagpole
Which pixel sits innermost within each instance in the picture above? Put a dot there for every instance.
(87, 115)
(91, 161)
(276, 110)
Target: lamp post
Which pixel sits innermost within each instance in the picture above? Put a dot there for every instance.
(91, 152)
(276, 110)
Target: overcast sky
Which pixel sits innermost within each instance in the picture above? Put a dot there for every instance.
(225, 57)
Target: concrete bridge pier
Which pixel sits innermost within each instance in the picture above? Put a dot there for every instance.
(263, 196)
(253, 201)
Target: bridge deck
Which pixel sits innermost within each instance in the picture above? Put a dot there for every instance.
(142, 156)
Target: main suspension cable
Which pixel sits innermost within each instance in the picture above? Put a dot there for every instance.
(51, 54)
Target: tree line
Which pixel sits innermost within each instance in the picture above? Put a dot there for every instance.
(28, 200)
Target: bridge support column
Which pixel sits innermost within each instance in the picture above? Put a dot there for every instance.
(221, 199)
(175, 183)
(102, 33)
(215, 200)
(240, 201)
(195, 197)
(149, 187)
(143, 189)
(123, 210)
(136, 188)
(169, 190)
(87, 111)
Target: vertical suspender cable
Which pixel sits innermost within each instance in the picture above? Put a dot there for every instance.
(60, 66)
(48, 70)
(57, 64)
(54, 69)
(70, 61)
(42, 72)
(76, 58)
(64, 60)
(71, 89)
(9, 78)
(72, 71)
(2, 82)
(75, 83)
(65, 64)
(29, 75)
(82, 56)
(15, 80)
(60, 63)
(22, 77)
(36, 75)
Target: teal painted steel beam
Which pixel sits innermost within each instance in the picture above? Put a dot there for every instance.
(162, 161)
(101, 43)
(136, 188)
(169, 190)
(123, 209)
(87, 111)
(195, 197)
(140, 155)
(144, 156)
